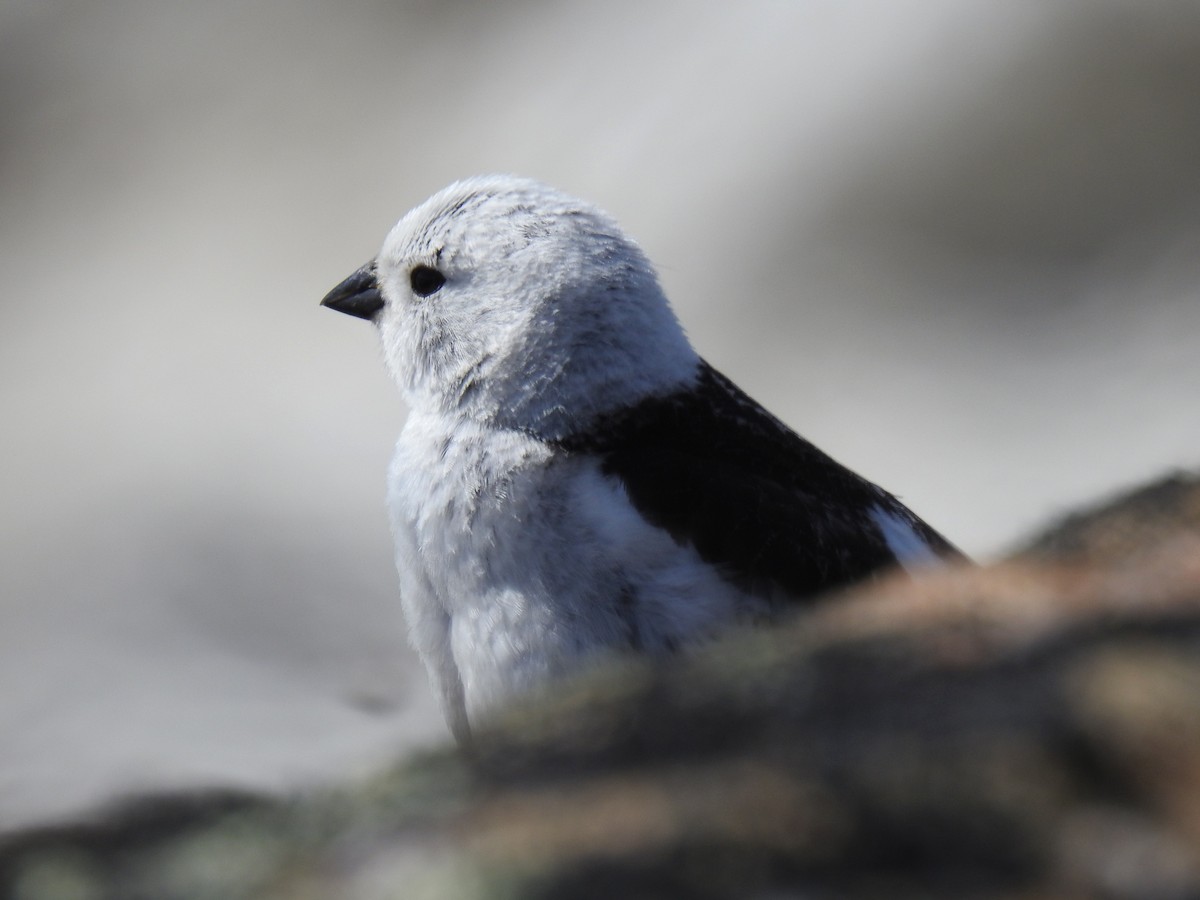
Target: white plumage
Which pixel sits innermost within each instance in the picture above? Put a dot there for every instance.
(572, 478)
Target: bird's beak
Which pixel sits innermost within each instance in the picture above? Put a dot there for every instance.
(358, 295)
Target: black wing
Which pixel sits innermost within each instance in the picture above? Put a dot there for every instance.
(719, 472)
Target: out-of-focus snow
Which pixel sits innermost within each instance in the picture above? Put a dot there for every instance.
(957, 244)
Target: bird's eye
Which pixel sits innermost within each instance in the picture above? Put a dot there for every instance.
(425, 280)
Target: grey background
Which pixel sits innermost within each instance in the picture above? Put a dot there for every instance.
(955, 242)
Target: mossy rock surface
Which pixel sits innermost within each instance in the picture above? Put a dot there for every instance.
(1027, 729)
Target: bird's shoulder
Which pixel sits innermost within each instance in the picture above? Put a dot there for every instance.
(767, 507)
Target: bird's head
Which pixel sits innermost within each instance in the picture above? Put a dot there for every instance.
(504, 300)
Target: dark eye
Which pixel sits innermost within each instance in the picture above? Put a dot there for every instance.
(425, 280)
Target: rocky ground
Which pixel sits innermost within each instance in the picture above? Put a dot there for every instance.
(1028, 729)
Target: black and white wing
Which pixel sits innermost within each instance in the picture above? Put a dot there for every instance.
(756, 500)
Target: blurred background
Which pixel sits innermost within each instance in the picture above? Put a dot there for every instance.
(954, 242)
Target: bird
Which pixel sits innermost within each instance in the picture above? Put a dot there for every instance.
(573, 480)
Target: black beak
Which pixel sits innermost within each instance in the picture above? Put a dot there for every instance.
(358, 295)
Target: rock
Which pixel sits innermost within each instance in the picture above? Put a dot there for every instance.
(1140, 521)
(1030, 728)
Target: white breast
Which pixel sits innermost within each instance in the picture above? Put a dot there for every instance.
(518, 564)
